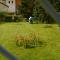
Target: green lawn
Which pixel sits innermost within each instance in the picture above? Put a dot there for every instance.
(51, 51)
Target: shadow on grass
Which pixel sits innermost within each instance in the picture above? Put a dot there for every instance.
(7, 54)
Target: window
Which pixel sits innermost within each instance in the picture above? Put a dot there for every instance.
(12, 2)
(9, 2)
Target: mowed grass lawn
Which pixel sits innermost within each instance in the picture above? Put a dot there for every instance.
(51, 35)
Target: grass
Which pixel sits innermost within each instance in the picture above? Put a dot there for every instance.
(51, 51)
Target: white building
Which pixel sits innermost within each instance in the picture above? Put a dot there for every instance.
(8, 6)
(3, 7)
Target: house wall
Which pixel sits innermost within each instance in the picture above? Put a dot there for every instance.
(3, 1)
(3, 8)
(12, 6)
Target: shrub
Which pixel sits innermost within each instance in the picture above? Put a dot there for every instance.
(20, 18)
(8, 19)
(2, 16)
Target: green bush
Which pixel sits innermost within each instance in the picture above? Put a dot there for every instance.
(20, 19)
(2, 16)
(8, 19)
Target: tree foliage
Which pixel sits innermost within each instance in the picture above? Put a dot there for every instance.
(26, 8)
(33, 8)
(55, 4)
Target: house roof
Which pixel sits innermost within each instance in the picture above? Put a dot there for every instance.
(4, 4)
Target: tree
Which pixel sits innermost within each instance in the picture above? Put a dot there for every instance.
(55, 4)
(26, 8)
(41, 14)
(33, 8)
